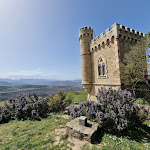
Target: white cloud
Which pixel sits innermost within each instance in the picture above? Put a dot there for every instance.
(38, 73)
(34, 74)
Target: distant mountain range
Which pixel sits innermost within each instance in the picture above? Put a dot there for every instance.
(18, 82)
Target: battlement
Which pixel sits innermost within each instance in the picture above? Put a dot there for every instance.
(86, 32)
(121, 29)
(86, 28)
(115, 32)
(102, 37)
(129, 30)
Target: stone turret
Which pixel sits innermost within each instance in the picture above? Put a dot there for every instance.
(85, 37)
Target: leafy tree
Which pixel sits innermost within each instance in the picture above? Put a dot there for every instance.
(59, 101)
(134, 64)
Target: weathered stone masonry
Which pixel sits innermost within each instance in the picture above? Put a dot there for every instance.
(100, 57)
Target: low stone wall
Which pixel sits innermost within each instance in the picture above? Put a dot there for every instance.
(87, 132)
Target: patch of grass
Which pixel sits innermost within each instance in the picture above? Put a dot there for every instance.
(87, 147)
(118, 143)
(42, 135)
(32, 134)
(2, 103)
(18, 90)
(63, 137)
(148, 122)
(130, 140)
(79, 96)
(142, 101)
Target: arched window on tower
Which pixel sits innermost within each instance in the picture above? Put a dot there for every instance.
(101, 67)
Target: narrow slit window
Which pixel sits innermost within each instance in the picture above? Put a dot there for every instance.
(112, 39)
(99, 70)
(107, 42)
(103, 45)
(103, 69)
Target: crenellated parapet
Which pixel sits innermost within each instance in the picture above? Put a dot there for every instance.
(116, 32)
(123, 29)
(128, 34)
(104, 39)
(85, 32)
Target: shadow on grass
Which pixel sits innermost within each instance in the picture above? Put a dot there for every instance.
(97, 137)
(138, 134)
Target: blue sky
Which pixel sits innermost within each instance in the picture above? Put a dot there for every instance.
(39, 38)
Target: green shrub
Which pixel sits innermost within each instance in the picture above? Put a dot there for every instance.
(143, 97)
(147, 98)
(142, 101)
(59, 101)
(68, 99)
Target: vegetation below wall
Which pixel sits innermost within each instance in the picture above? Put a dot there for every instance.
(31, 106)
(50, 132)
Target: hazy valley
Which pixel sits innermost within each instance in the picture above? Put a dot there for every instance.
(41, 87)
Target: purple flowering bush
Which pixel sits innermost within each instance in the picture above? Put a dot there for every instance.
(23, 107)
(115, 110)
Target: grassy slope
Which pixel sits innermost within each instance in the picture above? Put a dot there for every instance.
(32, 134)
(79, 96)
(43, 135)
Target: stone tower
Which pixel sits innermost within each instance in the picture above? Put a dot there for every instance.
(85, 37)
(100, 57)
